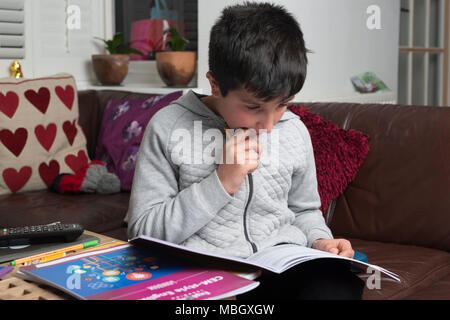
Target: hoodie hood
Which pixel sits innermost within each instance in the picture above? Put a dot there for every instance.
(191, 101)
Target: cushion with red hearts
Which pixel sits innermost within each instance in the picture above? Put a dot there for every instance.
(40, 137)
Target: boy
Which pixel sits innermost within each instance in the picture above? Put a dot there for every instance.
(257, 61)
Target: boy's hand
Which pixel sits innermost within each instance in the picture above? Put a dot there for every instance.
(340, 247)
(240, 156)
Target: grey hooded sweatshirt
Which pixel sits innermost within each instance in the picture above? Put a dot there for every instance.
(177, 196)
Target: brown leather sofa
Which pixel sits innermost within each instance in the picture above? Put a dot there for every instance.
(396, 211)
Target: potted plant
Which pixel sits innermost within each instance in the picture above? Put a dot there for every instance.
(176, 67)
(112, 68)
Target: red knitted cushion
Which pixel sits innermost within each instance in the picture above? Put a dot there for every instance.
(338, 154)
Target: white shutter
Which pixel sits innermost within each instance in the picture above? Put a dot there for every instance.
(56, 39)
(59, 46)
(81, 41)
(12, 29)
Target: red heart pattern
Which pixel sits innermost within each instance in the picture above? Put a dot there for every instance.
(66, 95)
(14, 136)
(76, 162)
(46, 136)
(70, 130)
(40, 100)
(14, 142)
(9, 103)
(48, 173)
(16, 180)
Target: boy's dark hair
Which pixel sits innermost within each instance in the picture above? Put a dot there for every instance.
(259, 47)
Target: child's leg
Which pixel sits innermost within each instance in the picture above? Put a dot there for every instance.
(318, 279)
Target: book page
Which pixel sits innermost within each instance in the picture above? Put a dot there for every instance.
(282, 257)
(276, 259)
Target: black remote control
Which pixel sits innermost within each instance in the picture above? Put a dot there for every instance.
(53, 232)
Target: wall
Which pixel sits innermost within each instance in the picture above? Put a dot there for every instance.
(51, 48)
(337, 32)
(334, 29)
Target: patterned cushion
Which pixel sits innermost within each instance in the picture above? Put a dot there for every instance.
(123, 125)
(338, 154)
(39, 132)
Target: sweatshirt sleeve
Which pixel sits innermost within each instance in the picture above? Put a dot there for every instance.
(157, 208)
(304, 199)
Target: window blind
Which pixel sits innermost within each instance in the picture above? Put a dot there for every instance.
(57, 40)
(12, 29)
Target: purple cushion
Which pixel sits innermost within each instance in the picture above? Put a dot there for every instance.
(123, 125)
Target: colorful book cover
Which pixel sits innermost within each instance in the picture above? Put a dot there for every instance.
(5, 270)
(129, 272)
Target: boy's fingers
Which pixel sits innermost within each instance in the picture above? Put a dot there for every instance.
(240, 135)
(247, 157)
(334, 250)
(346, 253)
(246, 142)
(252, 155)
(345, 248)
(253, 145)
(244, 134)
(343, 244)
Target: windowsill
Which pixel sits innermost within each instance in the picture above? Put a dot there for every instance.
(388, 97)
(142, 77)
(137, 87)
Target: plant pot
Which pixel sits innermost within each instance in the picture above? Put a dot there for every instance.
(176, 68)
(110, 69)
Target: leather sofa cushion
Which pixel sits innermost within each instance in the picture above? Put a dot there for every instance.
(417, 268)
(440, 290)
(400, 193)
(97, 213)
(120, 233)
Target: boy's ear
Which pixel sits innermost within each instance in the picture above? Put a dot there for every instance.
(215, 90)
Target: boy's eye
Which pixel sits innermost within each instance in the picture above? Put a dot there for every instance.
(257, 107)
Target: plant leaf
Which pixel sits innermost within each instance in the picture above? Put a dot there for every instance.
(127, 50)
(117, 39)
(115, 45)
(176, 43)
(111, 47)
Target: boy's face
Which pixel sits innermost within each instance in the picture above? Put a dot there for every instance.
(241, 109)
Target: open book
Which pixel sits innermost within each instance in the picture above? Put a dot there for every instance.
(275, 259)
(149, 268)
(130, 272)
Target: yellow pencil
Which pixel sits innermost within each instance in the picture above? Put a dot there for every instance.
(46, 258)
(46, 254)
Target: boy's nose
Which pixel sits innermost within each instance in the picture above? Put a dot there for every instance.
(266, 125)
